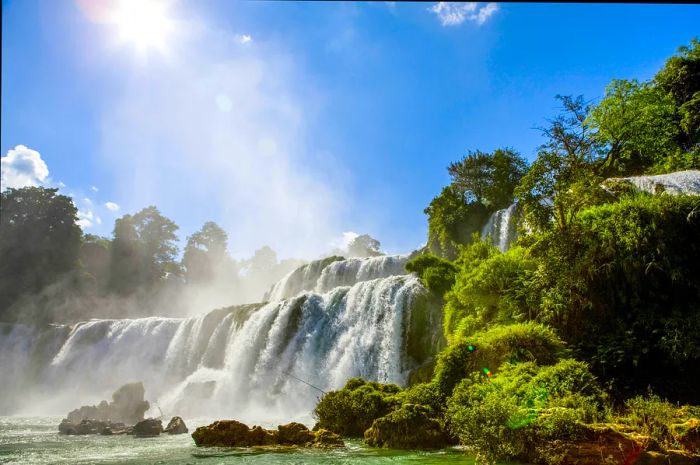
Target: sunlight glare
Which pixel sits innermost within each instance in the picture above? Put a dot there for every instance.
(144, 23)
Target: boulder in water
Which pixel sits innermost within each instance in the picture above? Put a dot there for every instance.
(176, 425)
(148, 428)
(127, 406)
(232, 433)
(409, 427)
(294, 434)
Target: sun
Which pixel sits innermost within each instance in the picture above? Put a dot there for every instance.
(143, 23)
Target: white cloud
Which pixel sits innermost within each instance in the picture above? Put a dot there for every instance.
(87, 201)
(111, 206)
(85, 218)
(341, 243)
(22, 167)
(243, 39)
(454, 14)
(95, 189)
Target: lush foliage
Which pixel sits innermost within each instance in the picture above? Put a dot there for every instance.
(39, 240)
(352, 409)
(437, 274)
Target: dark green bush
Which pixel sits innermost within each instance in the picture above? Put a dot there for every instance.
(351, 410)
(437, 274)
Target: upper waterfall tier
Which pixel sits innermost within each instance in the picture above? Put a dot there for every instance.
(502, 227)
(326, 274)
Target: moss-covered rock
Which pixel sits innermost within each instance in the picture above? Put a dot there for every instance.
(688, 435)
(409, 427)
(232, 433)
(351, 410)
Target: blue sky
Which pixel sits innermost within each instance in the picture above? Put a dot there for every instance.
(291, 123)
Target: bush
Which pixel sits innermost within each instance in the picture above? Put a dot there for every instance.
(351, 410)
(410, 426)
(490, 287)
(437, 274)
(490, 349)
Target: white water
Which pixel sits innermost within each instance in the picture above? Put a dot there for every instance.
(232, 362)
(319, 276)
(502, 227)
(680, 182)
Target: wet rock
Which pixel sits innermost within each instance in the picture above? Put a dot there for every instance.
(325, 438)
(147, 428)
(176, 425)
(223, 433)
(128, 406)
(232, 433)
(409, 427)
(294, 434)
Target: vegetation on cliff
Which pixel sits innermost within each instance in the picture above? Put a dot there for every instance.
(582, 340)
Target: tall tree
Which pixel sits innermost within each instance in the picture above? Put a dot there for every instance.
(488, 178)
(364, 246)
(205, 252)
(39, 240)
(143, 250)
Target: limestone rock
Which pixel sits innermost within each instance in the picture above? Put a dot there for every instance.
(232, 433)
(294, 434)
(147, 428)
(128, 406)
(409, 427)
(176, 425)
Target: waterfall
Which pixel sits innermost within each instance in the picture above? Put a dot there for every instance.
(238, 362)
(324, 275)
(680, 182)
(502, 227)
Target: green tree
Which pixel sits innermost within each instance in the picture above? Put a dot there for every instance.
(143, 251)
(205, 252)
(562, 180)
(364, 246)
(488, 178)
(39, 240)
(637, 126)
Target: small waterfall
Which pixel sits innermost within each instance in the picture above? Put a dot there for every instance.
(680, 182)
(236, 361)
(502, 227)
(324, 275)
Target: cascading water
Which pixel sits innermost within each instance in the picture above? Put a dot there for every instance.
(324, 275)
(242, 362)
(502, 227)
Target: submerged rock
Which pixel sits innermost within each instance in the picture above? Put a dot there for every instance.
(176, 425)
(409, 427)
(232, 433)
(147, 428)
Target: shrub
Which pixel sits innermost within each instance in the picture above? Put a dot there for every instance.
(437, 274)
(351, 410)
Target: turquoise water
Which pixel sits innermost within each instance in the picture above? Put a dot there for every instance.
(36, 441)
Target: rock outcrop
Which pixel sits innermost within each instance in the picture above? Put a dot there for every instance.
(604, 444)
(106, 428)
(127, 406)
(232, 433)
(409, 427)
(148, 428)
(176, 425)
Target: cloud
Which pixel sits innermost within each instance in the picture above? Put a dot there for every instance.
(454, 14)
(95, 189)
(243, 39)
(85, 218)
(111, 206)
(22, 167)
